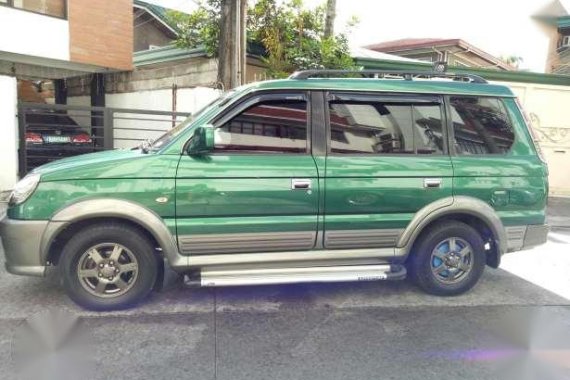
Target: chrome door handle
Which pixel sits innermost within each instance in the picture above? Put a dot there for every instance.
(301, 184)
(432, 183)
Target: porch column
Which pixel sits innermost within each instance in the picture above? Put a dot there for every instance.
(8, 132)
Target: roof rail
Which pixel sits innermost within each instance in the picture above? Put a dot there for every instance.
(382, 74)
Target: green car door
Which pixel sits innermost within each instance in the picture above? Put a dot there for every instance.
(258, 191)
(387, 158)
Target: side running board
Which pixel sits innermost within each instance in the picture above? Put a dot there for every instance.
(345, 273)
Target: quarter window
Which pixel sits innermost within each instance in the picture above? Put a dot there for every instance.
(378, 127)
(481, 126)
(270, 126)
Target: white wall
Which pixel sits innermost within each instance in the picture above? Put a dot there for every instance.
(546, 102)
(549, 111)
(33, 34)
(8, 132)
(188, 100)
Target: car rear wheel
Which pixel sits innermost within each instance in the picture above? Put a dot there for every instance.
(108, 267)
(448, 259)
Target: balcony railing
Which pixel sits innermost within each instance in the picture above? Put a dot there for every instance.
(54, 8)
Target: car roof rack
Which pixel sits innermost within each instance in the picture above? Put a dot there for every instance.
(383, 74)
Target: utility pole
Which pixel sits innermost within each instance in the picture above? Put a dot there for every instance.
(232, 49)
(330, 17)
(243, 40)
(224, 49)
(236, 45)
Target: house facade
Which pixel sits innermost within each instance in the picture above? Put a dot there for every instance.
(554, 20)
(152, 28)
(53, 40)
(454, 52)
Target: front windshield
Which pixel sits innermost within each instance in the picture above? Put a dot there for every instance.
(171, 134)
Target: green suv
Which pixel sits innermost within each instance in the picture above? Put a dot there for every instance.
(320, 177)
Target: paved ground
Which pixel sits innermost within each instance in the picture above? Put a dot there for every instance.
(333, 331)
(559, 212)
(547, 266)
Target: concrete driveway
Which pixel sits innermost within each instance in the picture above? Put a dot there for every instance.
(333, 331)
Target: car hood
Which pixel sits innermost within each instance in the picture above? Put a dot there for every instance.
(109, 164)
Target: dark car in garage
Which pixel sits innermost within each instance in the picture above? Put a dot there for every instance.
(51, 135)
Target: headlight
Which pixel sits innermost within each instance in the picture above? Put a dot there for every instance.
(24, 189)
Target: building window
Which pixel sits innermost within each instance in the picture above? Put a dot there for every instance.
(55, 8)
(481, 126)
(565, 41)
(267, 127)
(380, 127)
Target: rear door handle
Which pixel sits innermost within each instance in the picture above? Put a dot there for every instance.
(432, 183)
(301, 184)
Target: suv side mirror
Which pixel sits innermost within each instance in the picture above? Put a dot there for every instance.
(202, 141)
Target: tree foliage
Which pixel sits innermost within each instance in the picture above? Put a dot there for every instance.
(199, 28)
(513, 60)
(292, 36)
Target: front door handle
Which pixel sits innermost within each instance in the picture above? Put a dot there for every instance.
(432, 183)
(301, 184)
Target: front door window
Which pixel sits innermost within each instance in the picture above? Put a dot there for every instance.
(269, 127)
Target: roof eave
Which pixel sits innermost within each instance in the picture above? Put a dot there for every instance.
(157, 17)
(166, 54)
(484, 55)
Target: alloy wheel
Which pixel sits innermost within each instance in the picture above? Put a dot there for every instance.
(451, 260)
(107, 270)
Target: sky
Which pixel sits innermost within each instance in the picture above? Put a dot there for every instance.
(499, 27)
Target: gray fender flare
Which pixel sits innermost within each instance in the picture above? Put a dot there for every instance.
(449, 206)
(117, 208)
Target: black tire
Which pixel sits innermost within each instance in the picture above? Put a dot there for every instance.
(421, 262)
(136, 246)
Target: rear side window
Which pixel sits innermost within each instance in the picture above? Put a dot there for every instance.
(481, 126)
(269, 126)
(383, 127)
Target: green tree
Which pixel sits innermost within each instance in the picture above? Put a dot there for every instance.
(513, 60)
(199, 28)
(292, 35)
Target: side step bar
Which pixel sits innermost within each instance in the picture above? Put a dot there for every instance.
(344, 273)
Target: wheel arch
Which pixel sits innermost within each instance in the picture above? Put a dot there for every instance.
(83, 213)
(469, 210)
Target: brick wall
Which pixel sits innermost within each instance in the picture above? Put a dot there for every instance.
(101, 32)
(27, 92)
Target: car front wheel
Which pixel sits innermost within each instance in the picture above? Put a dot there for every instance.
(108, 267)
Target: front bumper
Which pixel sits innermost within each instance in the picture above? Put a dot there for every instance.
(21, 240)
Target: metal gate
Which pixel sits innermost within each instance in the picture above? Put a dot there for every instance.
(49, 132)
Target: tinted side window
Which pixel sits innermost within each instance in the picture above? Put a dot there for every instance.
(377, 127)
(481, 126)
(271, 126)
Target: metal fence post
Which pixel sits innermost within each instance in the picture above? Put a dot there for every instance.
(108, 138)
(105, 134)
(22, 159)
